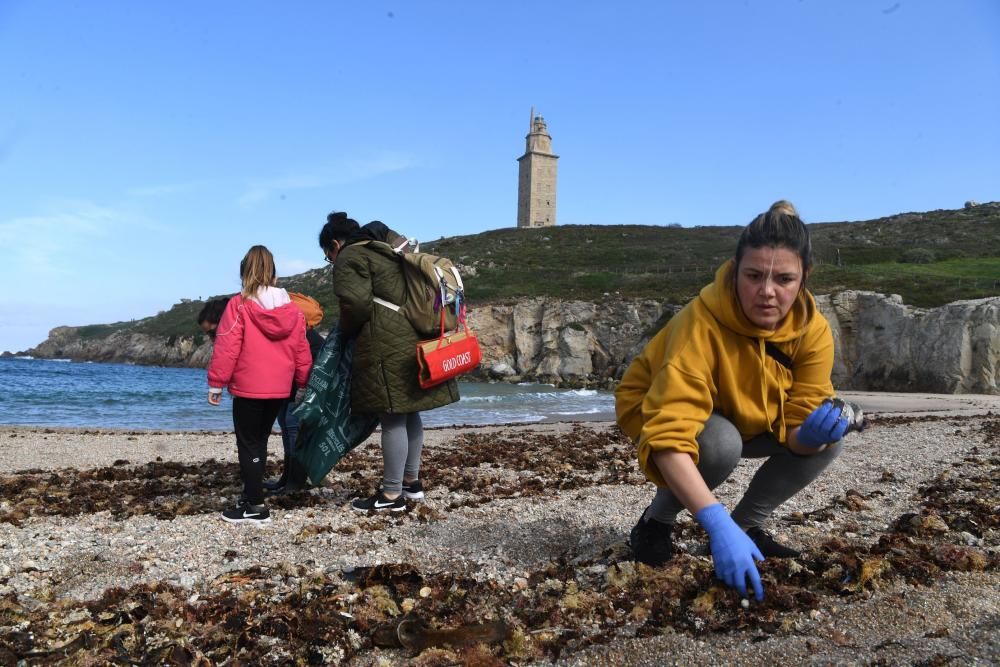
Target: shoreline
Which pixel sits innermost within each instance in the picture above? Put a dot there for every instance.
(874, 403)
(91, 447)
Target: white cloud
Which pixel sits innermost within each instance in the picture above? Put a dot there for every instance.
(346, 172)
(57, 243)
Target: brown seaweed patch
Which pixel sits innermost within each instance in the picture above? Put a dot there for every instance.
(163, 489)
(877, 420)
(287, 614)
(484, 467)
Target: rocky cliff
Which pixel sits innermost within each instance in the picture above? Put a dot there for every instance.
(565, 342)
(882, 344)
(125, 347)
(885, 345)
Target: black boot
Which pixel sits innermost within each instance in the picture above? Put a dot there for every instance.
(651, 542)
(768, 547)
(298, 478)
(277, 485)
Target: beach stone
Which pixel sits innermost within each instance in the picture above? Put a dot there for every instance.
(502, 370)
(185, 580)
(970, 539)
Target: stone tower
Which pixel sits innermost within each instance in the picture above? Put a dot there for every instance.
(536, 178)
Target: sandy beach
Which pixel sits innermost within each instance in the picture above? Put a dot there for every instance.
(111, 549)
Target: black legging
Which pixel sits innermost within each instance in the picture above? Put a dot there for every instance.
(252, 421)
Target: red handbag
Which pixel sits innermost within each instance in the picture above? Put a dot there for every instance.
(449, 355)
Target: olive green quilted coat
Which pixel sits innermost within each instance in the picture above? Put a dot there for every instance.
(384, 369)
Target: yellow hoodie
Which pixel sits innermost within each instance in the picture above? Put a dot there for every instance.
(711, 358)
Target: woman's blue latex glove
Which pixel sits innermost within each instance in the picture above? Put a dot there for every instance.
(733, 552)
(826, 424)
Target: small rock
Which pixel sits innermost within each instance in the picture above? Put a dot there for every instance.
(931, 523)
(970, 539)
(78, 616)
(502, 370)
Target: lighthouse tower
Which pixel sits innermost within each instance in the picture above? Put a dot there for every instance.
(536, 178)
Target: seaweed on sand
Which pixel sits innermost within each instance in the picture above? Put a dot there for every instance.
(287, 614)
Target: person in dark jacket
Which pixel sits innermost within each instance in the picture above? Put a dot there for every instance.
(293, 477)
(384, 369)
(209, 316)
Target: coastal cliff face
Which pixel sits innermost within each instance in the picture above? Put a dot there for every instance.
(565, 342)
(885, 345)
(882, 344)
(125, 347)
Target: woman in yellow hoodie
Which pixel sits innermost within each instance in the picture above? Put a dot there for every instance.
(742, 371)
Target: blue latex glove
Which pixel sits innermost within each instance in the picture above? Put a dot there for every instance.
(826, 424)
(733, 552)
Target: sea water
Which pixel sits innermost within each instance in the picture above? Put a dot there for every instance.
(40, 392)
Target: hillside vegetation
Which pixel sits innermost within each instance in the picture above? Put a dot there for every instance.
(928, 258)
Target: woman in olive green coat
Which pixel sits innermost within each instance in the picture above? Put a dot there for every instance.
(384, 369)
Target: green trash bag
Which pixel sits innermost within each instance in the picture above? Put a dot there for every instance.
(327, 429)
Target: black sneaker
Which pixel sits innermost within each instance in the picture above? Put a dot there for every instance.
(651, 542)
(413, 490)
(379, 503)
(768, 547)
(244, 512)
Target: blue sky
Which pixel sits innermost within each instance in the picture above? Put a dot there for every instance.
(144, 146)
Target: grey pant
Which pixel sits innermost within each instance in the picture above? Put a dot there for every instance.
(720, 448)
(402, 442)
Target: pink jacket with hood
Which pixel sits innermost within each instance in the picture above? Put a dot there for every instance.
(260, 346)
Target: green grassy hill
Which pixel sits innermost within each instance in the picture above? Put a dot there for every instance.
(929, 258)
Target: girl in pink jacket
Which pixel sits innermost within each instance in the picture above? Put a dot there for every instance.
(260, 347)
